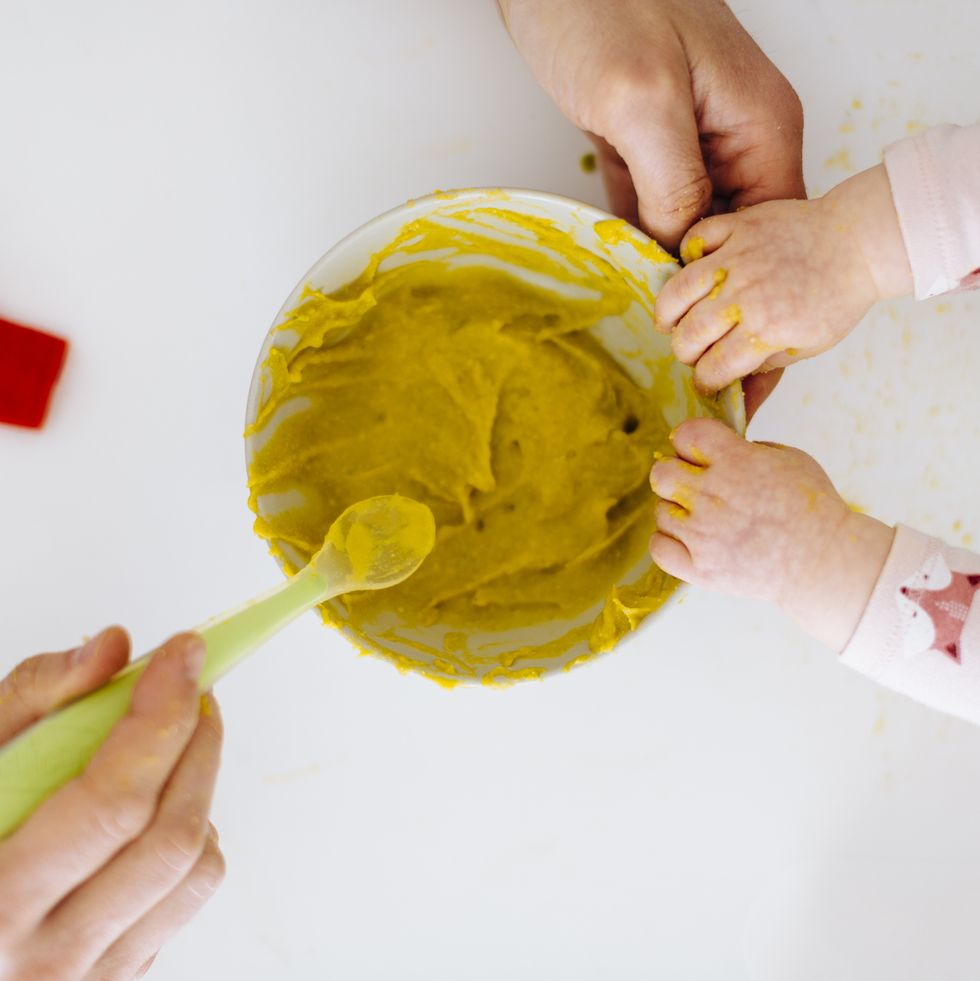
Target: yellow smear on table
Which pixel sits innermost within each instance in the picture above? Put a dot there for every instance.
(842, 159)
(460, 369)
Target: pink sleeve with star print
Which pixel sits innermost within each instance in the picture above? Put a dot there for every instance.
(920, 632)
(935, 182)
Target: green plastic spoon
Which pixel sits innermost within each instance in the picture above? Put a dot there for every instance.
(374, 544)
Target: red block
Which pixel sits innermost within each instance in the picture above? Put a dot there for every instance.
(30, 362)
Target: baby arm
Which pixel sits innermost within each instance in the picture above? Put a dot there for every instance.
(764, 521)
(784, 280)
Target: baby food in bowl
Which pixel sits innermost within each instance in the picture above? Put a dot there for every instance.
(492, 355)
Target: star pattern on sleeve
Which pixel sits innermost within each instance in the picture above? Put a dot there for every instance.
(947, 608)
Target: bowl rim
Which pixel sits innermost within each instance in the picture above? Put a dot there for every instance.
(427, 202)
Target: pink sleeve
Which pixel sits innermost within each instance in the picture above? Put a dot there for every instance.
(935, 182)
(920, 633)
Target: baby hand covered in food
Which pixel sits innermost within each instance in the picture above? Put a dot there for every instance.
(783, 280)
(765, 522)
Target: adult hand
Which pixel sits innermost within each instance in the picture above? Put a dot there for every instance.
(119, 859)
(687, 113)
(683, 104)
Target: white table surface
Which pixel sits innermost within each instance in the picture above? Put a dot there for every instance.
(718, 799)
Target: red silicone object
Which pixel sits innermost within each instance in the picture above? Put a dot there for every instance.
(30, 362)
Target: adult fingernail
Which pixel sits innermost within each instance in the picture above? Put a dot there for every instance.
(194, 650)
(88, 650)
(142, 971)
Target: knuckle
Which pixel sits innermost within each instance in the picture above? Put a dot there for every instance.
(665, 302)
(630, 86)
(683, 343)
(179, 843)
(23, 682)
(689, 196)
(722, 358)
(209, 873)
(120, 816)
(694, 429)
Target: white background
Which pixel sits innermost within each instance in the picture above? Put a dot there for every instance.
(718, 799)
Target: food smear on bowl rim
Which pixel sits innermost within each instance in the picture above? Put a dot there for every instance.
(461, 368)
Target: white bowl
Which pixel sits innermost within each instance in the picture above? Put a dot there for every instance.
(630, 339)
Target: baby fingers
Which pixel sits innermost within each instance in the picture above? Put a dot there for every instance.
(686, 288)
(706, 236)
(676, 480)
(672, 556)
(671, 519)
(737, 354)
(708, 322)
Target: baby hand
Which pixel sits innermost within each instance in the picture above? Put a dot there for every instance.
(782, 281)
(764, 521)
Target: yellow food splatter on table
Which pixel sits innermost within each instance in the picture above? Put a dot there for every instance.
(479, 390)
(587, 163)
(842, 159)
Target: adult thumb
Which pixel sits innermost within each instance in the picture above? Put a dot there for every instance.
(42, 683)
(657, 137)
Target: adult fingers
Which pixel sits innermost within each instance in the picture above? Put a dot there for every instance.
(676, 480)
(736, 355)
(701, 441)
(620, 192)
(706, 324)
(79, 828)
(772, 161)
(145, 872)
(44, 682)
(672, 556)
(762, 158)
(133, 952)
(650, 120)
(757, 388)
(693, 283)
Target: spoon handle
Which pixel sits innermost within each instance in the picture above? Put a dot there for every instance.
(233, 635)
(58, 747)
